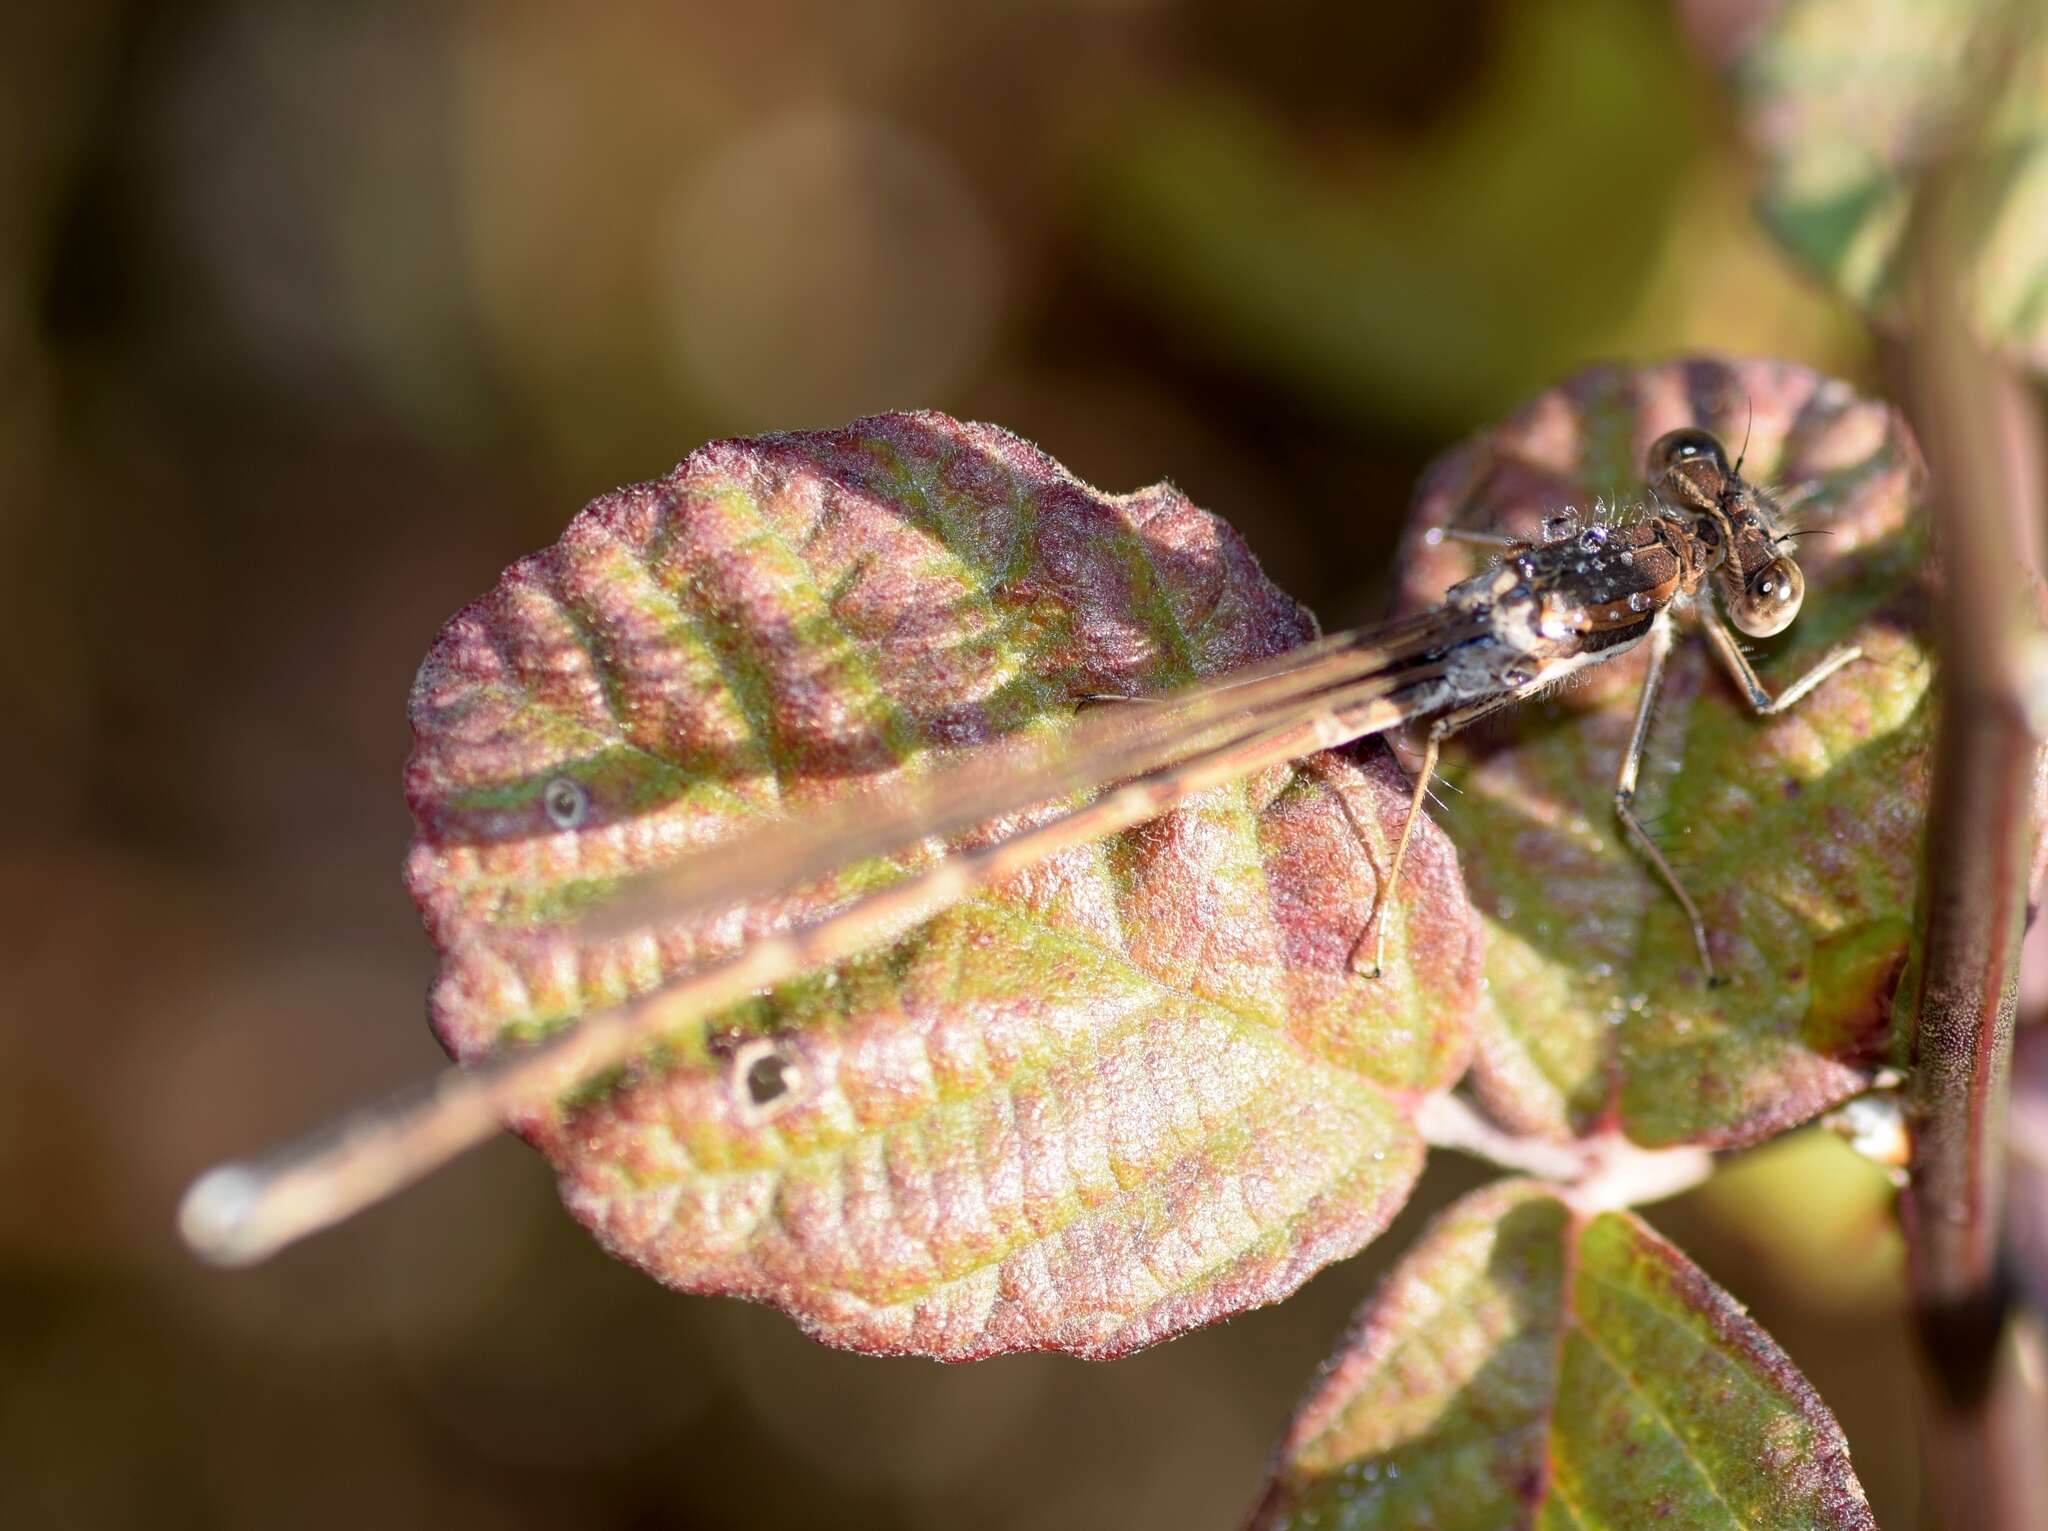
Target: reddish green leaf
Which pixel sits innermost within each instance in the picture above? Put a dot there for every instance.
(1849, 100)
(1527, 1365)
(1798, 836)
(1131, 1090)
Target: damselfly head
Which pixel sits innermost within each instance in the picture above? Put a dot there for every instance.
(1689, 469)
(1761, 600)
(1760, 586)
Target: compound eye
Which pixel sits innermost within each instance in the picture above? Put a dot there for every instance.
(1769, 599)
(1687, 444)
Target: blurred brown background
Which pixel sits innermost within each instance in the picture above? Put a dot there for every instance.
(313, 317)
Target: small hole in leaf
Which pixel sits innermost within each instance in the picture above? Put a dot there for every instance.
(765, 1078)
(566, 802)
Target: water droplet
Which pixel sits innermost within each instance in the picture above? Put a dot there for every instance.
(1627, 558)
(1637, 601)
(565, 802)
(1595, 538)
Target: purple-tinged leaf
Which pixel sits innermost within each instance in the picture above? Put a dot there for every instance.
(1528, 1365)
(1798, 835)
(1132, 1089)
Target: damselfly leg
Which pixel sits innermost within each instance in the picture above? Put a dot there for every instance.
(1498, 542)
(1761, 702)
(1659, 645)
(1439, 731)
(1759, 696)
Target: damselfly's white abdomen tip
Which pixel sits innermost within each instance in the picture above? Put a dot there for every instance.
(217, 1217)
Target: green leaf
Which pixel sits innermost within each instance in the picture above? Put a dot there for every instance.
(1798, 836)
(1530, 1365)
(1133, 1089)
(1849, 100)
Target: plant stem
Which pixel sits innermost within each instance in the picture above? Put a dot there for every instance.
(1975, 421)
(1596, 1174)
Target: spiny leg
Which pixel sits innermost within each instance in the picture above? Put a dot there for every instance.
(1754, 691)
(1439, 731)
(1499, 542)
(1659, 645)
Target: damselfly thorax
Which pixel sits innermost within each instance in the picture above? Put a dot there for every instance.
(1551, 608)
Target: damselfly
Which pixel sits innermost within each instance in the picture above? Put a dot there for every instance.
(1708, 546)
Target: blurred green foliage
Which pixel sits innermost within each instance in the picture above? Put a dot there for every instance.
(1851, 100)
(1577, 203)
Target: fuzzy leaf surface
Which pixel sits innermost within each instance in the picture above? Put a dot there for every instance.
(1529, 1366)
(1798, 835)
(1130, 1090)
(1849, 100)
